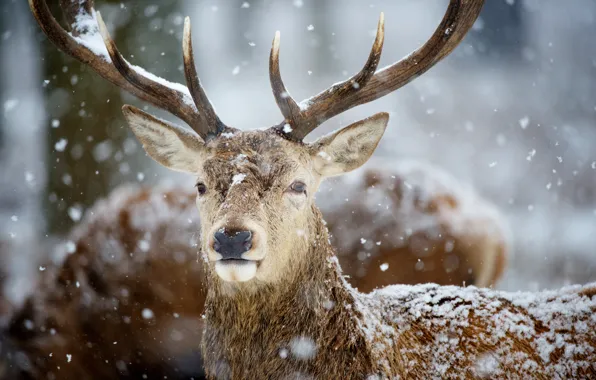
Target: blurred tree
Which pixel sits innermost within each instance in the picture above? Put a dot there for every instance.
(22, 145)
(89, 140)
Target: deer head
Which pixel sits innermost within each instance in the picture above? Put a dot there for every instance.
(255, 188)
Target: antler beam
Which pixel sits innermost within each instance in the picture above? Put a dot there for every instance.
(368, 85)
(175, 98)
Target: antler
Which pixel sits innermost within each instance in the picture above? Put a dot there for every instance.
(191, 106)
(368, 85)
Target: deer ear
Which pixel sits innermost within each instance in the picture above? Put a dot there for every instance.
(350, 147)
(172, 146)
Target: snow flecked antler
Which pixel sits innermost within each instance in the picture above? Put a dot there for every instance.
(368, 84)
(90, 43)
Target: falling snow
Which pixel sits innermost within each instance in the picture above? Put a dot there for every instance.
(237, 179)
(147, 314)
(60, 145)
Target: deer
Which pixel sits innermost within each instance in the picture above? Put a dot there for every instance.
(461, 248)
(413, 223)
(268, 253)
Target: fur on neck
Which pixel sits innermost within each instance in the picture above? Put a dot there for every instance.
(295, 328)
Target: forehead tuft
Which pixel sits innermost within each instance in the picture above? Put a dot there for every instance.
(260, 155)
(256, 141)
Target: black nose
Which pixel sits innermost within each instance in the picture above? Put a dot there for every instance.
(232, 244)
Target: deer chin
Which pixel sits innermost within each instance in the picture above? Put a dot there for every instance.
(236, 270)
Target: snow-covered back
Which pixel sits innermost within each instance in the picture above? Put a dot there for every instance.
(484, 332)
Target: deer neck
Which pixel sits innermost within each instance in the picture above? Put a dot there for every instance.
(295, 323)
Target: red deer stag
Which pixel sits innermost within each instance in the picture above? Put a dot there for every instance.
(277, 305)
(71, 327)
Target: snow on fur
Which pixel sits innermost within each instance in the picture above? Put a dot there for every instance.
(548, 333)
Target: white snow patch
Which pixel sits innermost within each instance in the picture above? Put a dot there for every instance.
(238, 178)
(144, 245)
(29, 177)
(324, 155)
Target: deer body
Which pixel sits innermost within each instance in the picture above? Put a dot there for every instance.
(317, 326)
(412, 224)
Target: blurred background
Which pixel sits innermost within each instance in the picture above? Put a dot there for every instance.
(512, 111)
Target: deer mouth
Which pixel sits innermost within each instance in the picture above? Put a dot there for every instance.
(231, 261)
(240, 261)
(236, 270)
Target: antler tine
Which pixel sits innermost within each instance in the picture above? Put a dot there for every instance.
(142, 81)
(457, 21)
(172, 97)
(212, 121)
(309, 120)
(287, 105)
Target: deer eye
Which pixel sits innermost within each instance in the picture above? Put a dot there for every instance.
(201, 188)
(298, 187)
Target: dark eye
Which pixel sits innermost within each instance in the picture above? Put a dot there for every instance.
(298, 187)
(201, 188)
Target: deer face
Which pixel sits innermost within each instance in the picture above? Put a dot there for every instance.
(255, 188)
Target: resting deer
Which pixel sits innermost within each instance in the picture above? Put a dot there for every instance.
(410, 224)
(277, 305)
